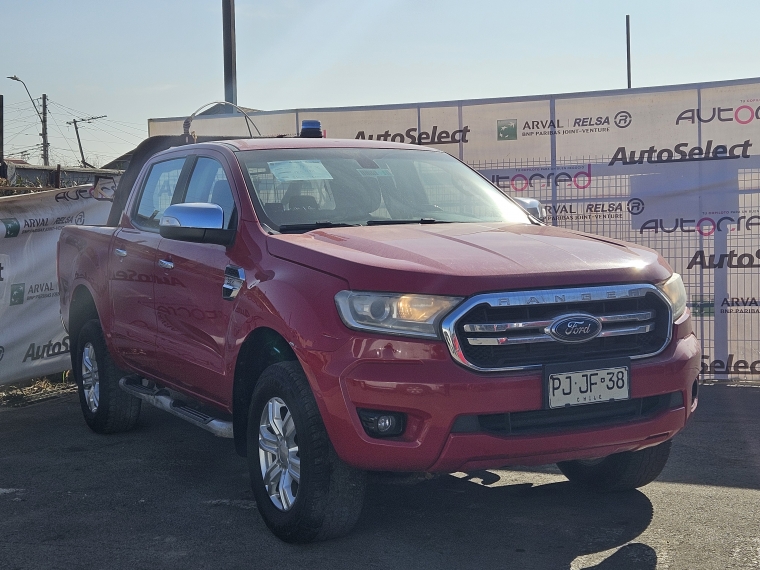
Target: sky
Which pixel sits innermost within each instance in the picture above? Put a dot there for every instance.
(143, 59)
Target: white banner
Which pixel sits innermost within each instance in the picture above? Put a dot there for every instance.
(33, 342)
(674, 168)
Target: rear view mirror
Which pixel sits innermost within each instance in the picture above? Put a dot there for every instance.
(532, 206)
(195, 222)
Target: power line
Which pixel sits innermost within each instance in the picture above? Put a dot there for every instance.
(138, 128)
(114, 136)
(24, 150)
(126, 132)
(77, 112)
(14, 136)
(24, 118)
(58, 128)
(116, 151)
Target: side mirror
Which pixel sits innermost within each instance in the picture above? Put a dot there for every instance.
(532, 206)
(195, 222)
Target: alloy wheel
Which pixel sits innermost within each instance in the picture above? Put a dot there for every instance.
(90, 378)
(278, 454)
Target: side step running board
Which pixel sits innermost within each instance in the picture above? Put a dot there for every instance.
(161, 399)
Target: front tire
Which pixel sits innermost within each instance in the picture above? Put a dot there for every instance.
(106, 407)
(620, 471)
(303, 490)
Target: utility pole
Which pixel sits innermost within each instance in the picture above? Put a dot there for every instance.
(2, 120)
(228, 37)
(76, 128)
(43, 119)
(45, 143)
(628, 45)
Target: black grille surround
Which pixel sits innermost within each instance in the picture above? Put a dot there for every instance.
(508, 331)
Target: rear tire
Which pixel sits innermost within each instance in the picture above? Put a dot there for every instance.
(621, 471)
(303, 490)
(105, 406)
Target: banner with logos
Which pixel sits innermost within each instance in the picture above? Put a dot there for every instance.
(674, 168)
(33, 342)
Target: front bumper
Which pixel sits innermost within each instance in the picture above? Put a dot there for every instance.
(420, 379)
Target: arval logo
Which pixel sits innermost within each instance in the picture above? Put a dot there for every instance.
(11, 227)
(575, 328)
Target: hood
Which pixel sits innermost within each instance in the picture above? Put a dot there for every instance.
(463, 259)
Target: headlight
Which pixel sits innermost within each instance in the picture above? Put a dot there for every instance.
(407, 315)
(676, 293)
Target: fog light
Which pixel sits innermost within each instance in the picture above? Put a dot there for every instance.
(379, 423)
(385, 423)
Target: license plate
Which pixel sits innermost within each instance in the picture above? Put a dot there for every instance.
(588, 386)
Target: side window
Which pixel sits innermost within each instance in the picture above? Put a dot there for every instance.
(209, 184)
(158, 192)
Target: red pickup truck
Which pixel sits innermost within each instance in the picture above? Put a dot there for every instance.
(339, 307)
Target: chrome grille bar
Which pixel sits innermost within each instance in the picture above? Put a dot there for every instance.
(641, 329)
(474, 341)
(514, 340)
(503, 327)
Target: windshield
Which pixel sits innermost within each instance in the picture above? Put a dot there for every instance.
(303, 189)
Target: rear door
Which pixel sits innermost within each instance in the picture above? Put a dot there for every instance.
(192, 316)
(132, 272)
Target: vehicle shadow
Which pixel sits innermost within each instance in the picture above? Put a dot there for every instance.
(480, 522)
(720, 445)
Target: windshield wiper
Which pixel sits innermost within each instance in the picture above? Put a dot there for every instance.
(296, 228)
(418, 221)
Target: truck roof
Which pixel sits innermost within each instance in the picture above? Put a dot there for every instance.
(299, 142)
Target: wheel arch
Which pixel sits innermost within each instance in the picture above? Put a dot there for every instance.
(81, 310)
(262, 347)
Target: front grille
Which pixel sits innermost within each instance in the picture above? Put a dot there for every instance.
(510, 331)
(566, 419)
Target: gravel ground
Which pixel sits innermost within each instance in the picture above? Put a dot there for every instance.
(170, 495)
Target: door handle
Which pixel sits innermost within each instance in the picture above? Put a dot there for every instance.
(120, 252)
(234, 277)
(165, 264)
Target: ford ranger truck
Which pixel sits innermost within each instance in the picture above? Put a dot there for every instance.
(340, 307)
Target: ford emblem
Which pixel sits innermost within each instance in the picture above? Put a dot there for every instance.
(574, 328)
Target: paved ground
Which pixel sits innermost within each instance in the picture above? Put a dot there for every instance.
(172, 496)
